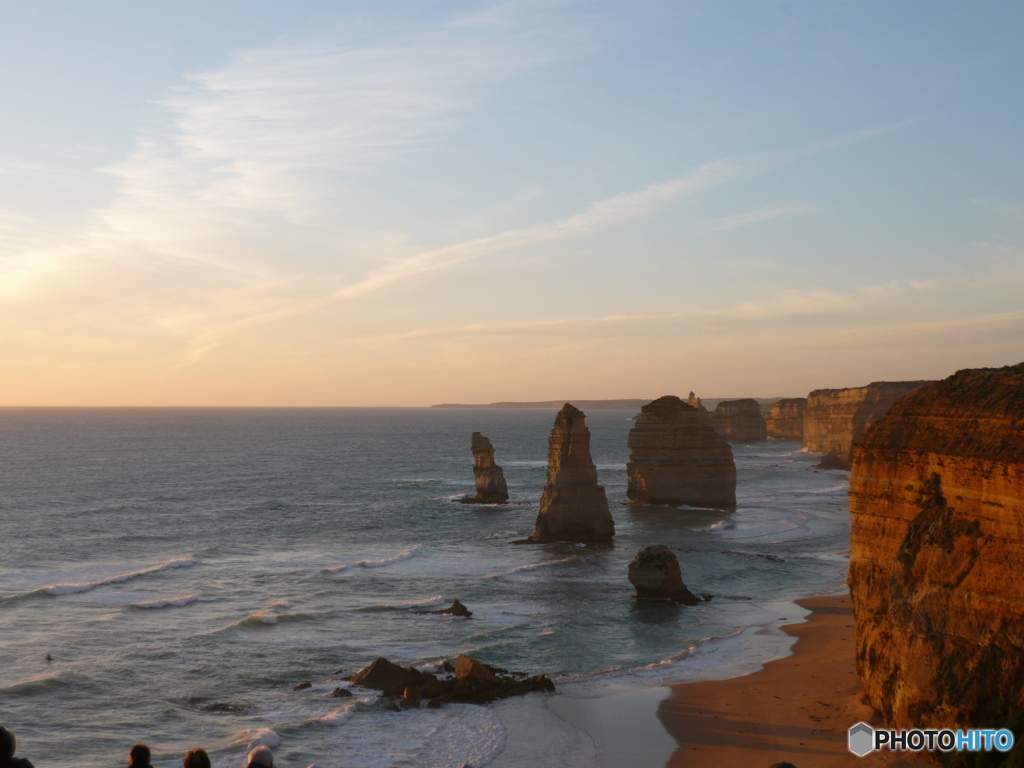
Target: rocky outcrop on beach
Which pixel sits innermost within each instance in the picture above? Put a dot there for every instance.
(835, 418)
(676, 457)
(467, 681)
(740, 421)
(655, 574)
(573, 506)
(490, 480)
(787, 419)
(937, 509)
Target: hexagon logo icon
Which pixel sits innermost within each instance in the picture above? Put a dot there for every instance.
(861, 739)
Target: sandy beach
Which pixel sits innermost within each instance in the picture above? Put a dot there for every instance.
(796, 709)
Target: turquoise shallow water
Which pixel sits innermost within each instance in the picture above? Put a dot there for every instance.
(171, 559)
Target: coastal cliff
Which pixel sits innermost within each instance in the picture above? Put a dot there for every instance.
(835, 418)
(936, 542)
(573, 506)
(676, 457)
(787, 419)
(490, 479)
(739, 421)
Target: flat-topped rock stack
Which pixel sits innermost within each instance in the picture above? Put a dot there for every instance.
(676, 457)
(740, 421)
(936, 546)
(573, 506)
(490, 480)
(835, 418)
(787, 419)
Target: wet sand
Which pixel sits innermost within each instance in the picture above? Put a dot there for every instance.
(796, 709)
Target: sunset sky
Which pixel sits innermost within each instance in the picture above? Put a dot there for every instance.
(364, 203)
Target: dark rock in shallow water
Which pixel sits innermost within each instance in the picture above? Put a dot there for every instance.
(455, 609)
(383, 676)
(832, 460)
(655, 574)
(474, 683)
(302, 686)
(467, 668)
(220, 706)
(340, 693)
(490, 480)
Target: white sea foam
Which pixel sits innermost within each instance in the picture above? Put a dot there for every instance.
(430, 601)
(368, 563)
(261, 618)
(771, 529)
(339, 716)
(263, 737)
(530, 567)
(285, 604)
(468, 737)
(165, 602)
(85, 586)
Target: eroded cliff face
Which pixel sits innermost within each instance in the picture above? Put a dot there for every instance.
(490, 479)
(835, 418)
(676, 457)
(937, 552)
(787, 419)
(573, 506)
(739, 421)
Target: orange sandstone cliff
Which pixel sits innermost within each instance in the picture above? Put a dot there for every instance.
(937, 552)
(787, 419)
(834, 418)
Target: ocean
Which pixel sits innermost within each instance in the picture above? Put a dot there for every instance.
(185, 569)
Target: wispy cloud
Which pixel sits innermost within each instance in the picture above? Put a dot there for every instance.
(789, 304)
(769, 213)
(1005, 210)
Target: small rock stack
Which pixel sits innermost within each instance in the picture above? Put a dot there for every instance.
(655, 574)
(490, 480)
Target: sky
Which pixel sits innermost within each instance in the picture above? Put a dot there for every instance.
(406, 203)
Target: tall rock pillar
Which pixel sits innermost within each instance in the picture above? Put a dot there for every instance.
(573, 506)
(490, 480)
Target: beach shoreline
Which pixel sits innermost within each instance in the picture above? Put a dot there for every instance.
(797, 707)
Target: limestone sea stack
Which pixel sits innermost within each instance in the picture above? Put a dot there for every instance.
(835, 418)
(740, 421)
(676, 457)
(655, 574)
(490, 480)
(936, 546)
(787, 419)
(694, 401)
(573, 506)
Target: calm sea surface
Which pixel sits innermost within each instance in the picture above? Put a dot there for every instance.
(186, 568)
